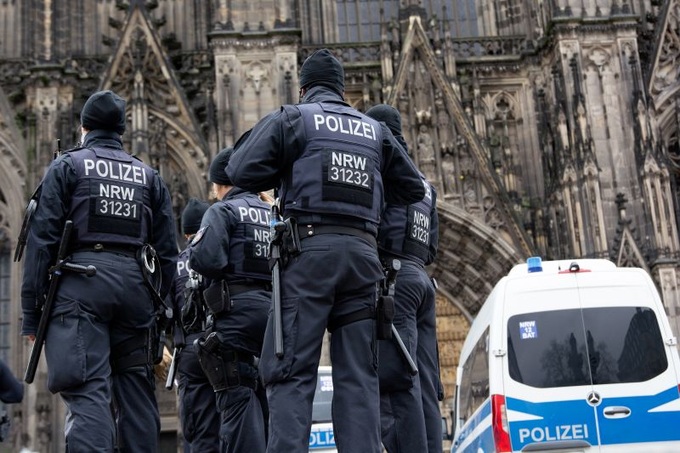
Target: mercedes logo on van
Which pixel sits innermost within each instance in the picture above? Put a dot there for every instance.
(593, 398)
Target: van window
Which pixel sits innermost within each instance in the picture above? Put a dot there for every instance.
(474, 385)
(604, 345)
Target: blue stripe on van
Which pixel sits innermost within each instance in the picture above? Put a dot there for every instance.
(641, 425)
(575, 420)
(482, 440)
(559, 420)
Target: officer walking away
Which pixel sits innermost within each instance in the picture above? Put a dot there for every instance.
(411, 235)
(230, 250)
(332, 166)
(197, 404)
(101, 332)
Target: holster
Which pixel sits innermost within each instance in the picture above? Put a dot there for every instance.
(384, 317)
(156, 340)
(217, 297)
(221, 373)
(291, 239)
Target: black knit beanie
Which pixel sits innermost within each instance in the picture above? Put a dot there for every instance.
(388, 115)
(104, 110)
(322, 68)
(218, 175)
(192, 215)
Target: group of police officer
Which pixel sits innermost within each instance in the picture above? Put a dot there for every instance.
(351, 202)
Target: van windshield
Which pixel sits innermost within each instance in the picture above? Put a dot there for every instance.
(321, 409)
(605, 345)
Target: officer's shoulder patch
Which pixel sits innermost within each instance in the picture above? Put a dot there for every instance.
(198, 236)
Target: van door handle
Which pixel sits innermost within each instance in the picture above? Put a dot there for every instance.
(616, 412)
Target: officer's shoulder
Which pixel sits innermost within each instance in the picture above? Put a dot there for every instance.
(141, 161)
(67, 153)
(75, 149)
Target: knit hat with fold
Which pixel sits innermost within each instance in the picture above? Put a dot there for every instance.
(218, 165)
(192, 215)
(388, 115)
(104, 110)
(322, 68)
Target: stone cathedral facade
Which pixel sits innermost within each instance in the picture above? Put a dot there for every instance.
(549, 127)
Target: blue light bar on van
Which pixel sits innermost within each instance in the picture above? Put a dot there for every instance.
(534, 264)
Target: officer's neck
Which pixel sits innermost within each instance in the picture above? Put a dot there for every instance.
(222, 191)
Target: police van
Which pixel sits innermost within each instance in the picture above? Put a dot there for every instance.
(569, 356)
(321, 438)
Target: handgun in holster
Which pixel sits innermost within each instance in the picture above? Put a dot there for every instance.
(385, 305)
(156, 340)
(222, 373)
(291, 238)
(385, 316)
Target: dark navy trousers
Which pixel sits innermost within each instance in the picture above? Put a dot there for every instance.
(243, 410)
(197, 403)
(410, 414)
(334, 275)
(90, 317)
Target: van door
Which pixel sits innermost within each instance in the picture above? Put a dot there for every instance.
(635, 381)
(545, 372)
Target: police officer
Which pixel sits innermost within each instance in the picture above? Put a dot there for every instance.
(230, 249)
(411, 235)
(331, 163)
(98, 344)
(197, 404)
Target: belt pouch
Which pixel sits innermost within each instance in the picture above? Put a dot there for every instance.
(217, 297)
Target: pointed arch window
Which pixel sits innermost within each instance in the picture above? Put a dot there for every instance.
(360, 20)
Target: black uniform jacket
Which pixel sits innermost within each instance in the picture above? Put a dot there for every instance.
(264, 155)
(51, 214)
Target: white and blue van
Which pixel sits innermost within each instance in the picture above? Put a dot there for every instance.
(569, 356)
(321, 439)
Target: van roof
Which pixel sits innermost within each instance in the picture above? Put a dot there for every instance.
(553, 267)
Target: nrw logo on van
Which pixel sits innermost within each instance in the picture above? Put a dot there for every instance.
(528, 329)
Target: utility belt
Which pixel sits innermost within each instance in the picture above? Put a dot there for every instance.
(125, 250)
(386, 258)
(309, 230)
(218, 295)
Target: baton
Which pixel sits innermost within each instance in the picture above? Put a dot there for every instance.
(55, 272)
